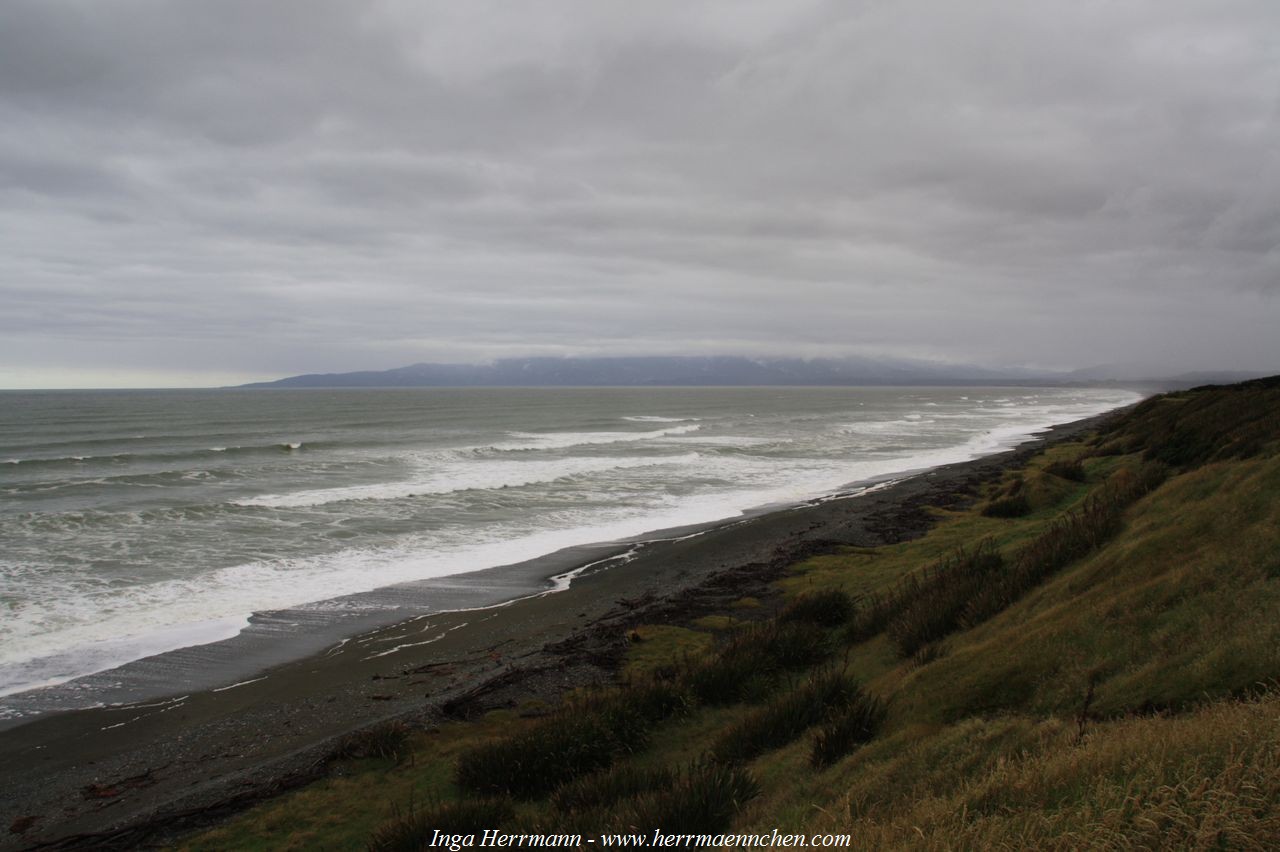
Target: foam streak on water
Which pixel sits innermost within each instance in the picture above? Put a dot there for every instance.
(132, 523)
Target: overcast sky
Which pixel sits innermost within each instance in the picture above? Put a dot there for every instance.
(205, 192)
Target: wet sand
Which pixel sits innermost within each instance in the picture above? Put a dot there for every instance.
(122, 776)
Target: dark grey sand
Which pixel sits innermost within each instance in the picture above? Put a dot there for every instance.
(124, 776)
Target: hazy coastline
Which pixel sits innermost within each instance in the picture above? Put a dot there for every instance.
(215, 526)
(258, 732)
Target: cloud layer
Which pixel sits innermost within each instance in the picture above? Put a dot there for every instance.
(198, 191)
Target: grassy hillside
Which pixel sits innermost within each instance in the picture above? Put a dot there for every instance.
(1087, 657)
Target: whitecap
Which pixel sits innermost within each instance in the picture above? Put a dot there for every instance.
(467, 476)
(565, 440)
(654, 418)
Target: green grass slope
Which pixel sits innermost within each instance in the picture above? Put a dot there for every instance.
(1092, 664)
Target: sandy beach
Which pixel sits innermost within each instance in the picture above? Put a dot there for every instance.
(120, 776)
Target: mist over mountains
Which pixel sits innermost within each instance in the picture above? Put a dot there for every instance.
(667, 371)
(728, 370)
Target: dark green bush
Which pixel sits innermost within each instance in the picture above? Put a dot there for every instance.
(653, 700)
(386, 740)
(875, 611)
(1072, 470)
(748, 666)
(725, 680)
(829, 608)
(940, 598)
(703, 800)
(603, 789)
(856, 724)
(573, 742)
(785, 717)
(1016, 506)
(929, 653)
(783, 645)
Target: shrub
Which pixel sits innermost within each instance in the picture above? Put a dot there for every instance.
(940, 597)
(785, 717)
(750, 663)
(1072, 470)
(929, 653)
(784, 645)
(413, 830)
(576, 741)
(703, 800)
(603, 789)
(725, 680)
(386, 740)
(829, 608)
(875, 611)
(856, 724)
(1016, 506)
(918, 608)
(652, 700)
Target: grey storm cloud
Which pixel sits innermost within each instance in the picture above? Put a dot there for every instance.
(246, 189)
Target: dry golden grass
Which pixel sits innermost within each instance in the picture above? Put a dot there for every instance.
(1206, 780)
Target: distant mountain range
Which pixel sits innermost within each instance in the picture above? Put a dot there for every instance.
(663, 371)
(714, 371)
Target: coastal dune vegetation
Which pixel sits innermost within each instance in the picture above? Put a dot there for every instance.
(1086, 656)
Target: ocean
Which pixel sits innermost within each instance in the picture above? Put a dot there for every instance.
(138, 522)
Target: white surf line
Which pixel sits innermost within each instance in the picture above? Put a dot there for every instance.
(857, 492)
(631, 554)
(378, 640)
(241, 683)
(561, 582)
(133, 706)
(374, 635)
(416, 644)
(173, 703)
(336, 648)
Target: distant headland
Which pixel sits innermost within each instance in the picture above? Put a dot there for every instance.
(687, 371)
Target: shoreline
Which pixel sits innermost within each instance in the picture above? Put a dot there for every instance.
(186, 760)
(228, 650)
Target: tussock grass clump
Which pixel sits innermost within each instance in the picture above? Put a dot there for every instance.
(655, 700)
(926, 655)
(1072, 536)
(582, 738)
(941, 597)
(727, 680)
(703, 799)
(785, 717)
(751, 661)
(829, 608)
(1016, 506)
(783, 645)
(850, 727)
(875, 611)
(603, 789)
(412, 831)
(386, 740)
(1071, 469)
(1116, 447)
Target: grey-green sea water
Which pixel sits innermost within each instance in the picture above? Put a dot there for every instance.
(137, 522)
